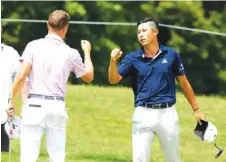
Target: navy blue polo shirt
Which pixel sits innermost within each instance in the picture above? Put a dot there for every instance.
(152, 79)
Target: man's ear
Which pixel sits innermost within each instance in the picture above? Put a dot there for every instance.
(65, 28)
(47, 25)
(156, 31)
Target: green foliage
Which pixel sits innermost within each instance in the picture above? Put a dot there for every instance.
(75, 8)
(204, 55)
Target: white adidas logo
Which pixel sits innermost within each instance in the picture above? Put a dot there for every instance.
(164, 61)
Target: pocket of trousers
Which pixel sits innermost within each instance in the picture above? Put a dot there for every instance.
(137, 115)
(32, 113)
(175, 121)
(35, 105)
(65, 114)
(176, 116)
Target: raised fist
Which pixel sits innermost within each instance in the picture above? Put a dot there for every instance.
(116, 53)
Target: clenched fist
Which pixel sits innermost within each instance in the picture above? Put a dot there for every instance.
(86, 46)
(116, 53)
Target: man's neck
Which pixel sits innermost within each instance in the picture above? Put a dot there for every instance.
(151, 49)
(55, 33)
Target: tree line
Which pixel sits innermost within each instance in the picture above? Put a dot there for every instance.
(203, 55)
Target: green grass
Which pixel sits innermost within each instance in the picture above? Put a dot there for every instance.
(99, 127)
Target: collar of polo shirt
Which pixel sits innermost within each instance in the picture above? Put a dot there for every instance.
(55, 37)
(161, 49)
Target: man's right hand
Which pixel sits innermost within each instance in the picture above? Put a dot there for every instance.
(116, 54)
(10, 111)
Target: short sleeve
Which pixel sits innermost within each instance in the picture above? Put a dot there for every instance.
(78, 67)
(178, 68)
(125, 67)
(27, 56)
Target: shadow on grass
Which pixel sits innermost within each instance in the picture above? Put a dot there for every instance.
(107, 158)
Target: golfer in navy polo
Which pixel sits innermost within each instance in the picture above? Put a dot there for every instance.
(153, 70)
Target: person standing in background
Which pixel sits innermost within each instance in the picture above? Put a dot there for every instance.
(9, 68)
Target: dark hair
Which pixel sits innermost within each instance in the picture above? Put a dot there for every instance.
(148, 19)
(58, 19)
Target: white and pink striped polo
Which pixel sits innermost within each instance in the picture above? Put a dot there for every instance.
(52, 61)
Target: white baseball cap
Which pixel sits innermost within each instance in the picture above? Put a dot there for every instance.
(207, 131)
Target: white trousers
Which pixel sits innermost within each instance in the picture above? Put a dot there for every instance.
(149, 122)
(39, 116)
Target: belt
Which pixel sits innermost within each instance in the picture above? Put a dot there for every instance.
(44, 97)
(159, 106)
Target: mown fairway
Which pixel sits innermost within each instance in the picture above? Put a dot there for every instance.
(99, 127)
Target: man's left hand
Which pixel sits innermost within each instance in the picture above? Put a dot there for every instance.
(199, 115)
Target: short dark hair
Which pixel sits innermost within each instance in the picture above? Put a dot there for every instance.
(58, 19)
(148, 19)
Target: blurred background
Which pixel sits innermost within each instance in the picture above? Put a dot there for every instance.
(203, 54)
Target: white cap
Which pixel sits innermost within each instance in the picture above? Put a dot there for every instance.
(210, 133)
(207, 131)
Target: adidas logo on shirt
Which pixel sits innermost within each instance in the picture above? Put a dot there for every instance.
(164, 61)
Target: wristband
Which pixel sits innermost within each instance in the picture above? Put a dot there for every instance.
(195, 109)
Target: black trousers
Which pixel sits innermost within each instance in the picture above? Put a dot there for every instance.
(4, 139)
